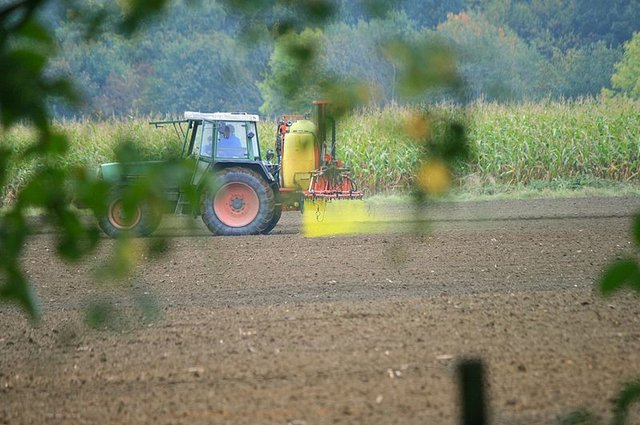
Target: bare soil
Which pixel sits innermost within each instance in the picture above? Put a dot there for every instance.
(363, 329)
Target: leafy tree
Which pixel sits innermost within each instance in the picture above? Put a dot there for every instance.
(612, 22)
(188, 61)
(429, 13)
(626, 79)
(295, 74)
(565, 24)
(581, 72)
(365, 59)
(494, 61)
(121, 75)
(203, 72)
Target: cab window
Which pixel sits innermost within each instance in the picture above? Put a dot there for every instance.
(206, 144)
(252, 135)
(232, 140)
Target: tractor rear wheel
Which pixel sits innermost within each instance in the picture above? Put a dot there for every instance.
(242, 203)
(141, 221)
(276, 217)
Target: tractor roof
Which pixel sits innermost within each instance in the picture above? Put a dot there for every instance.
(220, 116)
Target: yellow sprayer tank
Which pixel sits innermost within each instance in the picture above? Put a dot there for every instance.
(300, 155)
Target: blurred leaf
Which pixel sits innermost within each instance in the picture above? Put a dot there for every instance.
(317, 10)
(50, 143)
(629, 394)
(37, 32)
(454, 143)
(158, 247)
(281, 28)
(619, 274)
(423, 67)
(434, 177)
(580, 417)
(126, 254)
(127, 152)
(29, 61)
(148, 305)
(88, 191)
(64, 89)
(346, 95)
(16, 288)
(295, 76)
(13, 233)
(44, 189)
(101, 314)
(94, 23)
(139, 11)
(74, 239)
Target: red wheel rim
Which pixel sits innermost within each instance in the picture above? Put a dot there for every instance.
(120, 219)
(236, 204)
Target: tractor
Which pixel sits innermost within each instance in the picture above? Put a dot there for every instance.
(248, 194)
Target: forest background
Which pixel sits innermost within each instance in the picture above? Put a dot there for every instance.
(205, 57)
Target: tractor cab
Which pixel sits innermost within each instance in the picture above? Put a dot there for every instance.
(222, 136)
(217, 140)
(220, 140)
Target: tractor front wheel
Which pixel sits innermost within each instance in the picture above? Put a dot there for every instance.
(242, 203)
(142, 220)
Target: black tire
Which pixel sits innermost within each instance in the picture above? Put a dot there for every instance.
(242, 203)
(114, 223)
(277, 213)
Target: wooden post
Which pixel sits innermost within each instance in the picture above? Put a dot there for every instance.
(472, 392)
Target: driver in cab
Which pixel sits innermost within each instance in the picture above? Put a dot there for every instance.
(229, 144)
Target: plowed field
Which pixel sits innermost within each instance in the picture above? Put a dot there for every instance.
(364, 329)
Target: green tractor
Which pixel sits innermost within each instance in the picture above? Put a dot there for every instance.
(237, 193)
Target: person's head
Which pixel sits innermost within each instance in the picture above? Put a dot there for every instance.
(228, 130)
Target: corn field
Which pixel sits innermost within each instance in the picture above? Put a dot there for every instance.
(511, 146)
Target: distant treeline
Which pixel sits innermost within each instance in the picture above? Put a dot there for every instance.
(201, 57)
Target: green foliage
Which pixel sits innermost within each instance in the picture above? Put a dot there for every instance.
(626, 79)
(494, 61)
(629, 394)
(623, 273)
(580, 417)
(620, 274)
(626, 397)
(582, 71)
(213, 55)
(294, 73)
(222, 78)
(566, 24)
(189, 60)
(580, 40)
(370, 63)
(27, 87)
(430, 13)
